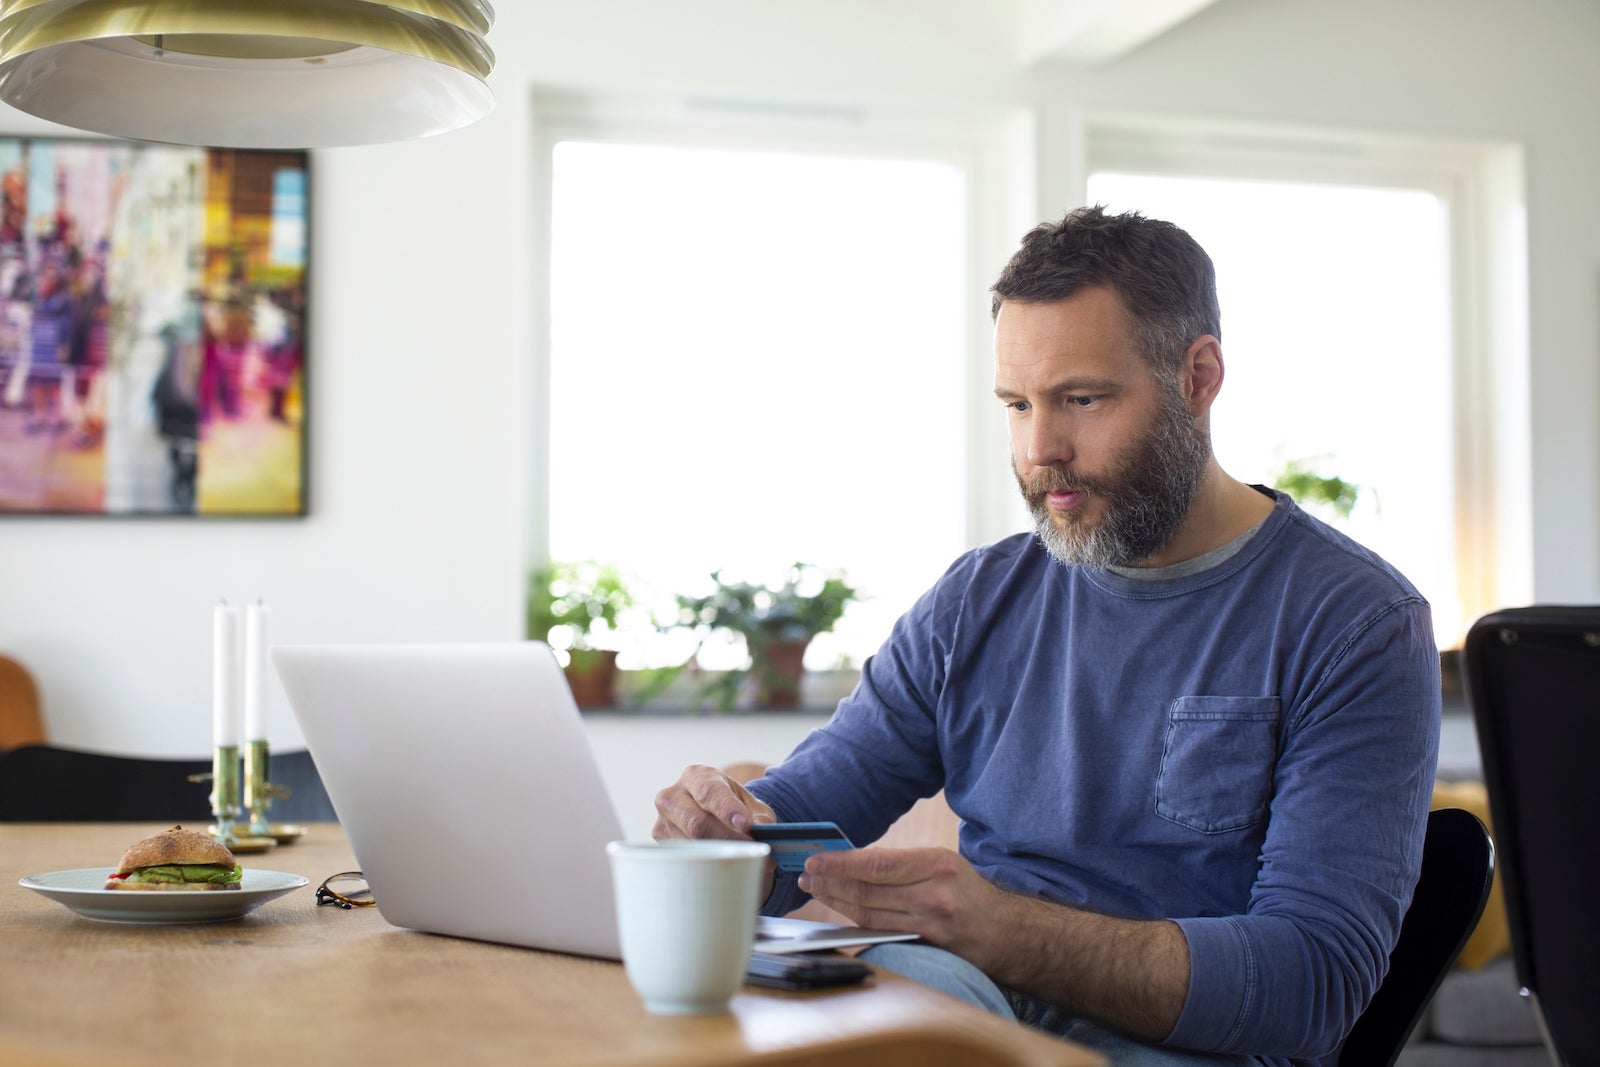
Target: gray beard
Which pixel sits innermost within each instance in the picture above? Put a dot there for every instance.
(1147, 496)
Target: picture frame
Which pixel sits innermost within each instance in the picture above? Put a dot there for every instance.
(153, 305)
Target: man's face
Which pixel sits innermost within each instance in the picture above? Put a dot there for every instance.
(1108, 457)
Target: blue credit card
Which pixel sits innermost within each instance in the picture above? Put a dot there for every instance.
(793, 843)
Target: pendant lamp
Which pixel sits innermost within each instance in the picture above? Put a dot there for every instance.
(249, 73)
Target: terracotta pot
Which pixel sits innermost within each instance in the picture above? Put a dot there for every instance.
(592, 674)
(779, 673)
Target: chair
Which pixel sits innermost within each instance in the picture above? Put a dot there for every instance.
(1533, 682)
(21, 721)
(1452, 888)
(43, 783)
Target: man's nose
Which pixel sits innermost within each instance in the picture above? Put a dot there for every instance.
(1047, 443)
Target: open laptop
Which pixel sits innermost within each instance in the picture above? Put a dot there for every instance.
(463, 777)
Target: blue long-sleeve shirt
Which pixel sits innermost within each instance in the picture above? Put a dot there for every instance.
(1248, 750)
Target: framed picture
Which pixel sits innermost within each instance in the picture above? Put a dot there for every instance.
(152, 329)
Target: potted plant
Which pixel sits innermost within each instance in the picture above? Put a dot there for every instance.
(576, 608)
(1301, 480)
(777, 624)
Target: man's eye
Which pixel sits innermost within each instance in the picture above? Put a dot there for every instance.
(1082, 401)
(1019, 406)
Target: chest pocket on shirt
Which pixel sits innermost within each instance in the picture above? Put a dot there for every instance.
(1217, 763)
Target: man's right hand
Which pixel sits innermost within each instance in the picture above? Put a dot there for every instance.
(704, 802)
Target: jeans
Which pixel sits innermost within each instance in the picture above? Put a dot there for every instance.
(951, 974)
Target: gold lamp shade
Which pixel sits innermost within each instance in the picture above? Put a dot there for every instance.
(249, 73)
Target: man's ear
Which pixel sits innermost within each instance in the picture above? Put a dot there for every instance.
(1202, 374)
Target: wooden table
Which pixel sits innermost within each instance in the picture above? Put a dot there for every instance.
(295, 984)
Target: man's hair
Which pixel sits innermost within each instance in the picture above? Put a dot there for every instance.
(1163, 277)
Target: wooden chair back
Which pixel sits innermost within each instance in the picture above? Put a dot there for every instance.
(21, 718)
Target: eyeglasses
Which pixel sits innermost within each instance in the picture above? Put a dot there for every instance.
(347, 889)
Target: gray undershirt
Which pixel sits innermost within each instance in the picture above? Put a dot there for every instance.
(1184, 568)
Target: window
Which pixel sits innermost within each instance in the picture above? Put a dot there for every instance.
(1374, 316)
(758, 357)
(1336, 329)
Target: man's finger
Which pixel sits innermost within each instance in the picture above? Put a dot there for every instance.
(680, 815)
(731, 802)
(705, 803)
(881, 907)
(883, 866)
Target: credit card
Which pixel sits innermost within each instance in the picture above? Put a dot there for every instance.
(795, 842)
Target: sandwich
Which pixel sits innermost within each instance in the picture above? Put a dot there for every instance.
(176, 859)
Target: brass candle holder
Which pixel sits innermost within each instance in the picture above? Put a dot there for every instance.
(225, 792)
(259, 792)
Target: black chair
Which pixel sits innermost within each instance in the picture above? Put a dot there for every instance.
(1452, 888)
(1533, 681)
(45, 783)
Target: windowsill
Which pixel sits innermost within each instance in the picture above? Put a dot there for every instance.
(820, 693)
(661, 710)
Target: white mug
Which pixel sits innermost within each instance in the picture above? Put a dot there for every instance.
(686, 915)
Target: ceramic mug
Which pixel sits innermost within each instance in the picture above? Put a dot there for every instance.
(686, 916)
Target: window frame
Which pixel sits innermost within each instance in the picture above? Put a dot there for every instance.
(1481, 185)
(983, 147)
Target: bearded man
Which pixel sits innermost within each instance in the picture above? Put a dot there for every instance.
(1190, 731)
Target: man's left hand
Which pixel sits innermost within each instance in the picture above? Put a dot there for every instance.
(1131, 973)
(928, 891)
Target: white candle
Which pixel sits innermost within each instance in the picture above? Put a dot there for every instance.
(225, 680)
(256, 617)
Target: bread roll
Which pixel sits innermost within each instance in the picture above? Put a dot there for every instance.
(176, 847)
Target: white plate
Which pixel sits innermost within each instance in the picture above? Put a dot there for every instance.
(84, 892)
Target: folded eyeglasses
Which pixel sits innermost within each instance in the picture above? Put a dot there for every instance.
(347, 889)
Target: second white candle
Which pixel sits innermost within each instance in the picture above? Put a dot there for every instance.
(256, 617)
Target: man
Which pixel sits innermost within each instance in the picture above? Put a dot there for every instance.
(1190, 731)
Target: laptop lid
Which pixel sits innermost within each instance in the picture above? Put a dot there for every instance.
(464, 779)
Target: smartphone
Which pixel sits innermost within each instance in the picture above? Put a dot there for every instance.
(804, 970)
(795, 842)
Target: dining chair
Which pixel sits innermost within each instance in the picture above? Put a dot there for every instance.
(21, 717)
(1533, 683)
(45, 783)
(1452, 888)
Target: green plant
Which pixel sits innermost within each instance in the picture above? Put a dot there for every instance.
(1300, 479)
(773, 621)
(809, 602)
(585, 599)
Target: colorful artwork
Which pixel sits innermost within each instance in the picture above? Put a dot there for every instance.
(152, 325)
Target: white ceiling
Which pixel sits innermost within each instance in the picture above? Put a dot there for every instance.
(1021, 33)
(1094, 31)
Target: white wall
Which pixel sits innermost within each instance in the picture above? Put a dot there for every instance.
(421, 315)
(638, 757)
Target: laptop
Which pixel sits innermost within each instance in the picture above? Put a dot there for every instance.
(463, 777)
